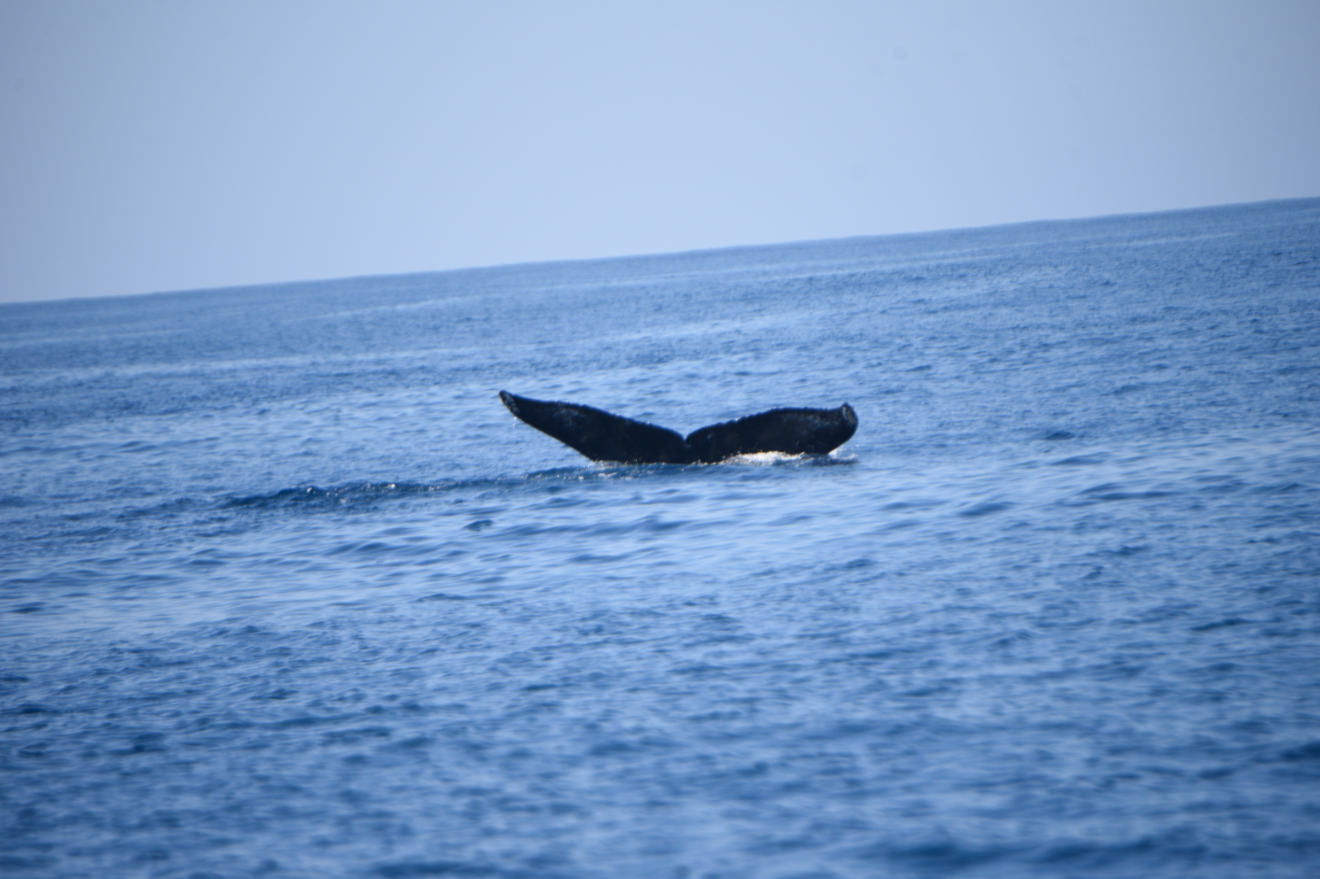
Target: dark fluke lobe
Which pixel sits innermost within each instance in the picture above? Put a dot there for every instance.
(605, 437)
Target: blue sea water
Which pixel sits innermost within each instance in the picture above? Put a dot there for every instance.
(286, 591)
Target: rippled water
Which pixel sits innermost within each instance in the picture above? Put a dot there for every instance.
(286, 591)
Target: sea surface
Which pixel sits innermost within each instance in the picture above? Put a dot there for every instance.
(286, 591)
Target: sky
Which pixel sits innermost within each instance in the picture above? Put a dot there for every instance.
(152, 146)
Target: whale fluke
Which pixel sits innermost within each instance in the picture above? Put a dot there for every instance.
(598, 434)
(602, 436)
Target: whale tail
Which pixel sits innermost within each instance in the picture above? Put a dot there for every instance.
(602, 436)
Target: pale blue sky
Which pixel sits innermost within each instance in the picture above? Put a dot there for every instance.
(155, 146)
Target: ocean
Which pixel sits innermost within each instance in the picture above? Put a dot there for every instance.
(286, 591)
